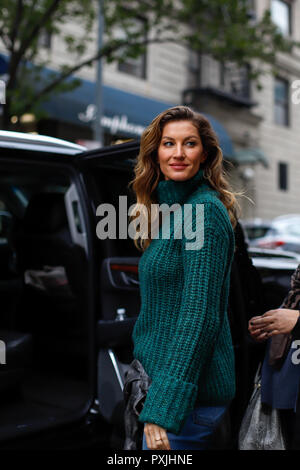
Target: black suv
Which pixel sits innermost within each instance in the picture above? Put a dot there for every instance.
(69, 296)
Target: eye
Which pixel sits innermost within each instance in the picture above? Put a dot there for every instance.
(167, 143)
(191, 143)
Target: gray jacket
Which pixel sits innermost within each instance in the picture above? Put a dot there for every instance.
(136, 386)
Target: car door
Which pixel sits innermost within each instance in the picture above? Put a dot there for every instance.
(106, 174)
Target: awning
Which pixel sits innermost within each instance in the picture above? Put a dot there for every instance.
(123, 112)
(250, 156)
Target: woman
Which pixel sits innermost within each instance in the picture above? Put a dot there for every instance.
(182, 336)
(281, 368)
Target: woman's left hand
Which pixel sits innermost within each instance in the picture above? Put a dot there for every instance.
(156, 437)
(274, 322)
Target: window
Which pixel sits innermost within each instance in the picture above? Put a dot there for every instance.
(281, 15)
(251, 9)
(194, 66)
(281, 106)
(283, 176)
(45, 38)
(135, 66)
(235, 79)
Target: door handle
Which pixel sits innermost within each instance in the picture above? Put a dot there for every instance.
(129, 280)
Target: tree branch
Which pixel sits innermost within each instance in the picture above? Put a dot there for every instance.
(16, 23)
(17, 56)
(42, 21)
(103, 52)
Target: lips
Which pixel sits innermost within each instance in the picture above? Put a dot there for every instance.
(178, 166)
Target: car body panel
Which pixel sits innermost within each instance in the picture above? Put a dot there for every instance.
(39, 143)
(282, 233)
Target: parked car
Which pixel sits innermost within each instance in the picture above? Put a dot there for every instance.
(281, 233)
(255, 229)
(67, 343)
(275, 268)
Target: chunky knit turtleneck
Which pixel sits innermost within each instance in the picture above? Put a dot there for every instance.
(170, 191)
(182, 335)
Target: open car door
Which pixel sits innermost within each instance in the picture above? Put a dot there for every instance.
(107, 173)
(120, 301)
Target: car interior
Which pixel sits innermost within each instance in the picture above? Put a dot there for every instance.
(43, 284)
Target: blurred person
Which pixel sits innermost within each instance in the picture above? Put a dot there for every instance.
(281, 368)
(182, 337)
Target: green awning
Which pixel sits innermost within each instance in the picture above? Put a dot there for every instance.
(250, 156)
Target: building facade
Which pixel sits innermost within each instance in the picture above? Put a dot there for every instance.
(277, 188)
(258, 129)
(263, 124)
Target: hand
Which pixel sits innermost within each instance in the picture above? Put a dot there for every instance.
(156, 437)
(256, 331)
(273, 322)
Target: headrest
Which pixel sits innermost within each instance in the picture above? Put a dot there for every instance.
(45, 213)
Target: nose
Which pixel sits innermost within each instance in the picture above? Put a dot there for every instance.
(178, 151)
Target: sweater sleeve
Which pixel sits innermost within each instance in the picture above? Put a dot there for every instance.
(173, 391)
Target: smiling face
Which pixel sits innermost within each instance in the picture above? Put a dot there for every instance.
(180, 151)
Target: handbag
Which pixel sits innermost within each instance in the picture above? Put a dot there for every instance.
(261, 427)
(279, 349)
(280, 344)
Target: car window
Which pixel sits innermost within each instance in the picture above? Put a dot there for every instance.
(17, 186)
(256, 232)
(17, 189)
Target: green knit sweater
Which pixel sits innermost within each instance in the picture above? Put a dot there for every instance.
(182, 335)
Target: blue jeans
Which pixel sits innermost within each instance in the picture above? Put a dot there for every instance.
(198, 429)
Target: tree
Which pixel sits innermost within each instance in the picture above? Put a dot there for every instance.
(225, 29)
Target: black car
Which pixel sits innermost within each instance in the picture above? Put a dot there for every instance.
(69, 295)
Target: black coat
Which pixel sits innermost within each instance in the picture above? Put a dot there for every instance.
(245, 301)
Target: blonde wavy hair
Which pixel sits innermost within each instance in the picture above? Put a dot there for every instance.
(148, 174)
